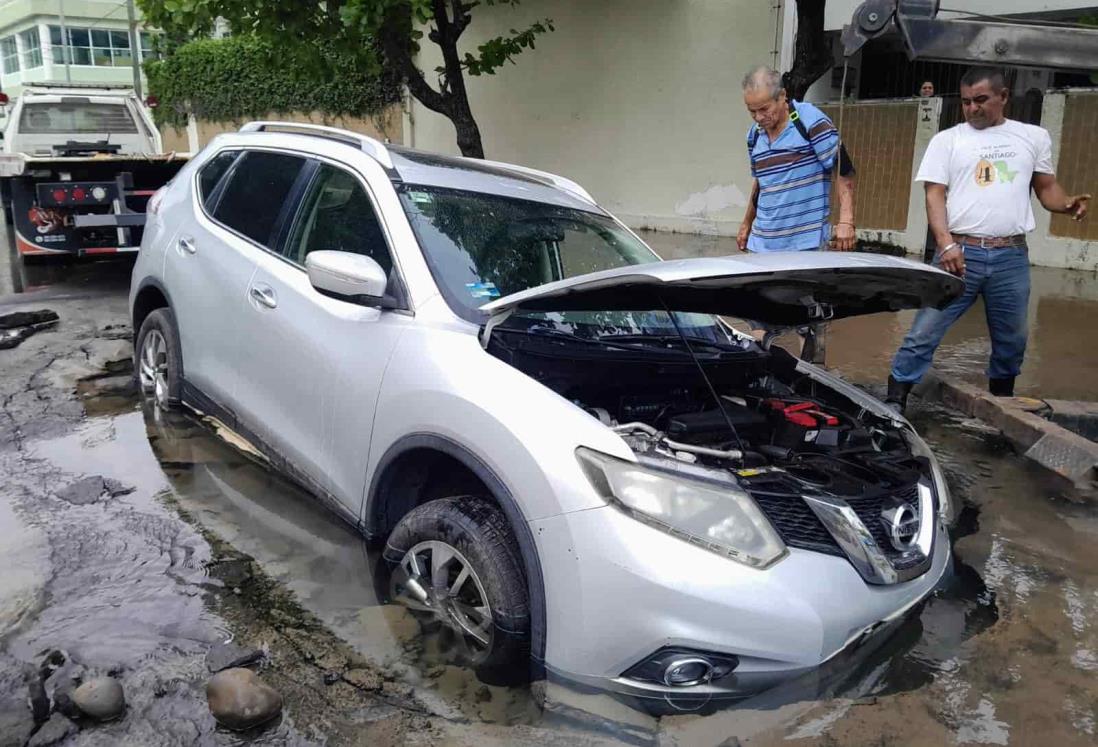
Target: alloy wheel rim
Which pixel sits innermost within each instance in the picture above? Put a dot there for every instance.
(153, 369)
(434, 580)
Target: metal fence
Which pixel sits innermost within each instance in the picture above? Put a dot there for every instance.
(880, 137)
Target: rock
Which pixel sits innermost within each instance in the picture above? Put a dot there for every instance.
(239, 700)
(51, 663)
(37, 699)
(26, 318)
(53, 731)
(363, 679)
(483, 695)
(229, 655)
(16, 726)
(730, 742)
(101, 698)
(91, 489)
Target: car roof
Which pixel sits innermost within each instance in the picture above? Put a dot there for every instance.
(423, 168)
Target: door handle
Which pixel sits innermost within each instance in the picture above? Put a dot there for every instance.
(264, 296)
(186, 243)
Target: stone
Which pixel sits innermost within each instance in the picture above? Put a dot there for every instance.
(37, 699)
(229, 656)
(89, 490)
(26, 318)
(101, 698)
(239, 699)
(483, 695)
(363, 679)
(53, 731)
(16, 725)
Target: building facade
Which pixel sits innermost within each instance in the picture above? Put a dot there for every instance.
(68, 41)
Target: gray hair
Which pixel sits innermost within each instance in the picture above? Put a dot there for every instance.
(763, 78)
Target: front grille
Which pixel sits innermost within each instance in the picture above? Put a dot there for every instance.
(795, 522)
(799, 527)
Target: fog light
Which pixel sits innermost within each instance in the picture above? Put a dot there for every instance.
(687, 672)
(682, 667)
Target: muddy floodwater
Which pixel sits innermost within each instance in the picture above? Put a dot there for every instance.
(210, 546)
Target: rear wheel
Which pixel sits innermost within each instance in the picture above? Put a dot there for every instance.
(455, 566)
(159, 362)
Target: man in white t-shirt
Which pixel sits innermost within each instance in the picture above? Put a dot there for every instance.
(978, 177)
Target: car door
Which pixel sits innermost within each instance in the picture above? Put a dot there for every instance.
(218, 251)
(206, 277)
(312, 365)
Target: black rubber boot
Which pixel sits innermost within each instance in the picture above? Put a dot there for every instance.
(897, 394)
(1001, 387)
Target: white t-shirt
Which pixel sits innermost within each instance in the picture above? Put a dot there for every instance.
(988, 173)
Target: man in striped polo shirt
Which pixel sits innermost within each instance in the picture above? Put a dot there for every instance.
(791, 164)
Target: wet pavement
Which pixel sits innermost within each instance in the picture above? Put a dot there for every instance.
(211, 546)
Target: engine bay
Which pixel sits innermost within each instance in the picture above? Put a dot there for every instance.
(776, 429)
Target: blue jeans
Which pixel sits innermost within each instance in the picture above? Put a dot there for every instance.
(1002, 276)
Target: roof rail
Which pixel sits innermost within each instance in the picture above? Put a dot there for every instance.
(368, 145)
(559, 182)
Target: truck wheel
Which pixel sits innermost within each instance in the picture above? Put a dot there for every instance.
(158, 360)
(456, 567)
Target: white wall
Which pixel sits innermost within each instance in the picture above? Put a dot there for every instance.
(638, 100)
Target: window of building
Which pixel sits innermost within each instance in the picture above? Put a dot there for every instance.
(9, 54)
(32, 48)
(98, 47)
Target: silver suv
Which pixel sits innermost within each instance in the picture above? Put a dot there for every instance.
(574, 462)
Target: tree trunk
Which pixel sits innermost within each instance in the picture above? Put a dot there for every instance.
(451, 101)
(468, 134)
(812, 56)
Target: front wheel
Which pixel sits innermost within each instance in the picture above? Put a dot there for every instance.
(456, 567)
(159, 362)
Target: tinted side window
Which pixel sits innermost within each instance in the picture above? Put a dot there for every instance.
(212, 172)
(253, 198)
(336, 215)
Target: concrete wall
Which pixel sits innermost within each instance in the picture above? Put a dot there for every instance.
(385, 126)
(638, 100)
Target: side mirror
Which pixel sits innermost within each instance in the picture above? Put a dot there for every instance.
(348, 277)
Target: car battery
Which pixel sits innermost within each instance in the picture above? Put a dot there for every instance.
(797, 425)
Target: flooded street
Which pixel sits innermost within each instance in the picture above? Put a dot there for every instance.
(206, 545)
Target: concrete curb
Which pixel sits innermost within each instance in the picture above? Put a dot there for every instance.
(1024, 422)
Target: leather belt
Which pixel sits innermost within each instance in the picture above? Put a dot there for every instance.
(990, 242)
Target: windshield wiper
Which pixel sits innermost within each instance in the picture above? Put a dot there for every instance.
(678, 341)
(601, 342)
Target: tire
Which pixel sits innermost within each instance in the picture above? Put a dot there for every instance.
(158, 360)
(479, 534)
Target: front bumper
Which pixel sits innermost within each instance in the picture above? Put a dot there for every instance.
(618, 590)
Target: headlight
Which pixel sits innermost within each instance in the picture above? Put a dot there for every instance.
(720, 518)
(920, 448)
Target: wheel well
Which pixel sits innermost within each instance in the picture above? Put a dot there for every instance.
(416, 477)
(148, 300)
(422, 467)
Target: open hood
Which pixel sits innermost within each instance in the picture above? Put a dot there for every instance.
(775, 289)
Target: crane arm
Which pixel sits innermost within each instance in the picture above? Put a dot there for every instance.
(953, 40)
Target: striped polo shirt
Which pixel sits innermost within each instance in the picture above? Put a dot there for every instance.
(794, 177)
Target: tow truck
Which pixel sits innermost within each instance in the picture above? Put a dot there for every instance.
(980, 39)
(77, 168)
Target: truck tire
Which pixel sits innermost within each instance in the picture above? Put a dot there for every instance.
(455, 565)
(158, 360)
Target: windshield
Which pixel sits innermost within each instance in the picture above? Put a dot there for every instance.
(84, 117)
(481, 246)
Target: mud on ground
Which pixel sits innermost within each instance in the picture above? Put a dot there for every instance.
(122, 581)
